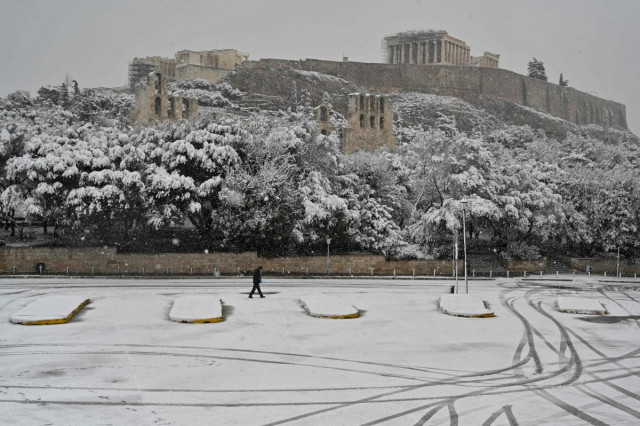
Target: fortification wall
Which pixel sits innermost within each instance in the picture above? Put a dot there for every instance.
(190, 71)
(468, 83)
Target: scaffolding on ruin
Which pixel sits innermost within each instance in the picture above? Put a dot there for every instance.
(138, 70)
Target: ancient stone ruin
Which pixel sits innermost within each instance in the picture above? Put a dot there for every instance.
(370, 119)
(153, 102)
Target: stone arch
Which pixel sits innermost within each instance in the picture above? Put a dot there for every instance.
(372, 121)
(158, 83)
(362, 122)
(171, 107)
(323, 132)
(158, 106)
(382, 122)
(324, 113)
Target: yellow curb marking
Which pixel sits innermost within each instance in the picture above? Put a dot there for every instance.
(60, 320)
(202, 321)
(356, 315)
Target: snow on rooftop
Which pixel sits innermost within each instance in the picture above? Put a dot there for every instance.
(49, 310)
(580, 305)
(464, 305)
(328, 307)
(196, 309)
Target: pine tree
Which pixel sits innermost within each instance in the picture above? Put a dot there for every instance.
(563, 82)
(536, 70)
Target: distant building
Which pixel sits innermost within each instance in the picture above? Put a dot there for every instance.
(488, 60)
(433, 48)
(211, 65)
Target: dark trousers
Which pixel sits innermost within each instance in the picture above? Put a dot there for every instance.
(256, 286)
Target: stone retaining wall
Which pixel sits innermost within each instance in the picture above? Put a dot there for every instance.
(608, 265)
(524, 265)
(107, 261)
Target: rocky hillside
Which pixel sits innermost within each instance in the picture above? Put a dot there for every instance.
(275, 88)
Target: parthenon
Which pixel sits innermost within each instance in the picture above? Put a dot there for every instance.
(432, 47)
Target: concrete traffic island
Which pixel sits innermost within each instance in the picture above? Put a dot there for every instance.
(581, 305)
(328, 307)
(50, 310)
(464, 305)
(196, 309)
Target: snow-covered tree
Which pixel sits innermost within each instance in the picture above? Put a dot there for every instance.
(51, 168)
(186, 169)
(536, 69)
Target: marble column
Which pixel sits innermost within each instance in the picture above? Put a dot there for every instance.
(434, 43)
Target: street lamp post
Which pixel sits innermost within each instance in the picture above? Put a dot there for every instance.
(464, 243)
(618, 263)
(455, 260)
(328, 257)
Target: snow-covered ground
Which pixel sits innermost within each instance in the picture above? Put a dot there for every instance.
(402, 362)
(196, 309)
(50, 310)
(464, 305)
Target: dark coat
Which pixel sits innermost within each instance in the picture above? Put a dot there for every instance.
(257, 275)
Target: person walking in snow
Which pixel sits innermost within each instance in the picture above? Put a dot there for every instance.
(257, 279)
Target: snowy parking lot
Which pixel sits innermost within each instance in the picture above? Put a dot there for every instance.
(120, 360)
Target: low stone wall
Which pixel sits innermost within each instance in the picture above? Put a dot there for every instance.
(524, 265)
(107, 261)
(602, 265)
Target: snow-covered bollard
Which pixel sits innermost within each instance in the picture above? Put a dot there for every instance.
(328, 307)
(580, 305)
(196, 309)
(464, 305)
(50, 310)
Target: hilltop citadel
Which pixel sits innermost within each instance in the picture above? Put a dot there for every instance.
(416, 61)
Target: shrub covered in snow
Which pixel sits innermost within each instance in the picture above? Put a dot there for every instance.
(273, 182)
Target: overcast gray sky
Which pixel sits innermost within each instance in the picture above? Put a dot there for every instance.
(592, 42)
